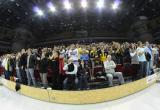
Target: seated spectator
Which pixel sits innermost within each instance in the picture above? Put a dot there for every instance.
(109, 66)
(83, 75)
(70, 82)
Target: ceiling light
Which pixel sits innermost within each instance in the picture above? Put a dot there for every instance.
(67, 5)
(100, 3)
(84, 4)
(38, 11)
(51, 7)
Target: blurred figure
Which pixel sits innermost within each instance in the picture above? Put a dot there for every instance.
(55, 69)
(18, 70)
(31, 63)
(7, 65)
(70, 83)
(83, 74)
(23, 66)
(109, 66)
(43, 69)
(149, 58)
(142, 59)
(134, 61)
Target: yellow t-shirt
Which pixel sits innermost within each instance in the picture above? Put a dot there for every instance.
(103, 57)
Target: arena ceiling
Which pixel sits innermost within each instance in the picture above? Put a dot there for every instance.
(19, 13)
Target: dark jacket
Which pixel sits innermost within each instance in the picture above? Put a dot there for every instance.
(43, 65)
(32, 61)
(127, 56)
(55, 65)
(23, 61)
(82, 70)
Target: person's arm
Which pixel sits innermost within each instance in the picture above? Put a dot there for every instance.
(65, 68)
(105, 65)
(113, 65)
(75, 69)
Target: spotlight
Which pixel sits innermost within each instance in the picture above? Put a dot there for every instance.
(51, 7)
(100, 4)
(38, 11)
(84, 4)
(67, 5)
(115, 5)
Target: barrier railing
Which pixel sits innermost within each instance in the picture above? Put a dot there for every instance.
(87, 96)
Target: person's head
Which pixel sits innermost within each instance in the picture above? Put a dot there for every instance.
(70, 60)
(109, 57)
(147, 44)
(8, 56)
(140, 44)
(19, 54)
(29, 51)
(77, 45)
(23, 51)
(54, 54)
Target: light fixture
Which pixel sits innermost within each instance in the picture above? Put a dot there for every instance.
(38, 11)
(100, 4)
(115, 5)
(51, 7)
(84, 4)
(67, 5)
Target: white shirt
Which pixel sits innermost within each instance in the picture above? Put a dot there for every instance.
(73, 54)
(65, 68)
(142, 57)
(109, 66)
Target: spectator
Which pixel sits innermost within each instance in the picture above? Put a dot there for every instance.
(43, 68)
(31, 62)
(142, 59)
(71, 71)
(83, 74)
(18, 70)
(109, 66)
(148, 54)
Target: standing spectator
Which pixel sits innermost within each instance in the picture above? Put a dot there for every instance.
(134, 61)
(55, 69)
(73, 53)
(126, 54)
(31, 62)
(62, 74)
(7, 65)
(43, 68)
(18, 70)
(23, 66)
(148, 54)
(142, 59)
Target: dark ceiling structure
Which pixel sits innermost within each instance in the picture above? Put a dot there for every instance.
(19, 13)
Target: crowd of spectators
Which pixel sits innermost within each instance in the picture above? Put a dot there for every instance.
(73, 67)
